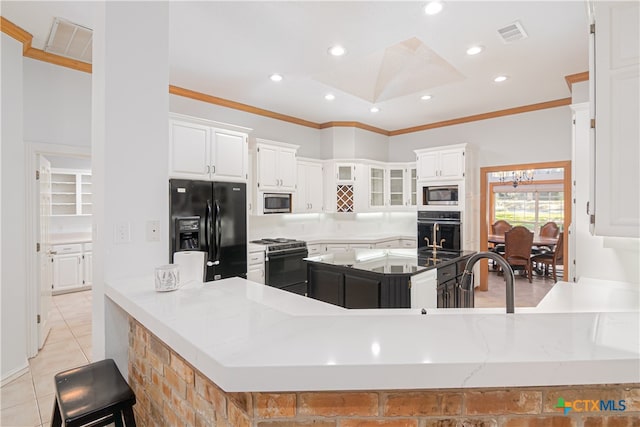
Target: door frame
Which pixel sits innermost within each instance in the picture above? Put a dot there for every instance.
(485, 209)
(33, 149)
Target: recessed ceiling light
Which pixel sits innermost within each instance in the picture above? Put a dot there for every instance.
(474, 50)
(374, 109)
(329, 97)
(337, 50)
(276, 77)
(425, 97)
(500, 79)
(433, 7)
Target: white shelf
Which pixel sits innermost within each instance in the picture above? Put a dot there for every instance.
(71, 192)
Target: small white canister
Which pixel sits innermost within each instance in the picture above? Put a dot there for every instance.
(167, 278)
(191, 265)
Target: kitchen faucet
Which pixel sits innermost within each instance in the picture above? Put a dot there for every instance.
(509, 278)
(434, 237)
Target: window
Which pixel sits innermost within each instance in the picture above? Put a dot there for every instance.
(529, 205)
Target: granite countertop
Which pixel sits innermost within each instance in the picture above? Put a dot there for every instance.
(246, 336)
(389, 261)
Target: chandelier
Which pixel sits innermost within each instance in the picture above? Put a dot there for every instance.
(516, 177)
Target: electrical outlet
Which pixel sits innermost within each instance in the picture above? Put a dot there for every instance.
(153, 231)
(122, 233)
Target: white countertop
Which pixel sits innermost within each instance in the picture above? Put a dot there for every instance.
(250, 337)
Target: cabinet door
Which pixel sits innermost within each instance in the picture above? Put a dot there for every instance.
(66, 271)
(87, 268)
(255, 273)
(427, 165)
(376, 187)
(286, 169)
(361, 292)
(267, 168)
(617, 108)
(190, 146)
(452, 164)
(327, 286)
(411, 186)
(301, 202)
(396, 181)
(229, 159)
(314, 188)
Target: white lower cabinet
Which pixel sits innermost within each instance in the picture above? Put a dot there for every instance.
(72, 266)
(255, 268)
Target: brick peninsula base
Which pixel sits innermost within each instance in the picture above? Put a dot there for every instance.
(170, 392)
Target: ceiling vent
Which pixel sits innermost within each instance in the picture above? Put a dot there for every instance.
(70, 40)
(512, 32)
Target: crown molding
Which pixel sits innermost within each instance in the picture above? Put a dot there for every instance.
(485, 116)
(25, 38)
(576, 78)
(51, 58)
(12, 30)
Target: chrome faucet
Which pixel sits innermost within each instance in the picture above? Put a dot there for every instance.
(509, 278)
(434, 238)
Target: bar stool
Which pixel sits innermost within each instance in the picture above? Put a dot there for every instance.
(93, 394)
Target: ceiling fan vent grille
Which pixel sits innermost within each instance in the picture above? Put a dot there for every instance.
(70, 40)
(512, 32)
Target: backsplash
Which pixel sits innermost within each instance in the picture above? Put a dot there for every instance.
(307, 226)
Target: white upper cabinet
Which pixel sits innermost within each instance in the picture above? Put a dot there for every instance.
(377, 187)
(345, 186)
(615, 79)
(201, 149)
(309, 194)
(276, 166)
(441, 163)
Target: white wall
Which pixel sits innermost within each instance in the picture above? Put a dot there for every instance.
(263, 127)
(130, 147)
(538, 136)
(370, 145)
(13, 357)
(57, 104)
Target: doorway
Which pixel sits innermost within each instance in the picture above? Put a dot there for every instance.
(487, 203)
(40, 228)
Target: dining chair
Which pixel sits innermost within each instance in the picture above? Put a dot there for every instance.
(517, 248)
(499, 228)
(550, 229)
(551, 258)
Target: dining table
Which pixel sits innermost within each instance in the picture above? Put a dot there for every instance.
(538, 240)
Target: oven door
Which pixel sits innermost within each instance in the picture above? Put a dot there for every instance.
(286, 267)
(447, 230)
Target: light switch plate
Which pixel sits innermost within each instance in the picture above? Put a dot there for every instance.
(153, 231)
(122, 233)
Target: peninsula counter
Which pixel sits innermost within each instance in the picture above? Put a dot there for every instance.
(235, 336)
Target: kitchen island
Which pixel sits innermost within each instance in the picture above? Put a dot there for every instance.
(246, 354)
(388, 278)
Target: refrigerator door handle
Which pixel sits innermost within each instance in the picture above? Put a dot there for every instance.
(207, 232)
(218, 233)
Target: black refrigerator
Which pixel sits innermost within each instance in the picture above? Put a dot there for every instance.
(210, 217)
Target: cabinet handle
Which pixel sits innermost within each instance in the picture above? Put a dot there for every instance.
(214, 169)
(208, 169)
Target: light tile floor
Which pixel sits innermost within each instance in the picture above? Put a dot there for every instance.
(28, 400)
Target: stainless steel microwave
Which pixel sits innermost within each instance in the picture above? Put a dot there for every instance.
(274, 203)
(440, 195)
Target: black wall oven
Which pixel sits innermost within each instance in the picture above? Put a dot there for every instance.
(448, 233)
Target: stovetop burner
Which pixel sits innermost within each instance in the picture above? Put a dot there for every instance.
(280, 243)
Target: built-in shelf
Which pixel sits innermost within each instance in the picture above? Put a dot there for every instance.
(70, 192)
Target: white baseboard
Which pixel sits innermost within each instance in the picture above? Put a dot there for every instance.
(16, 373)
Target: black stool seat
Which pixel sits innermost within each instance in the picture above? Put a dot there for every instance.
(87, 394)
